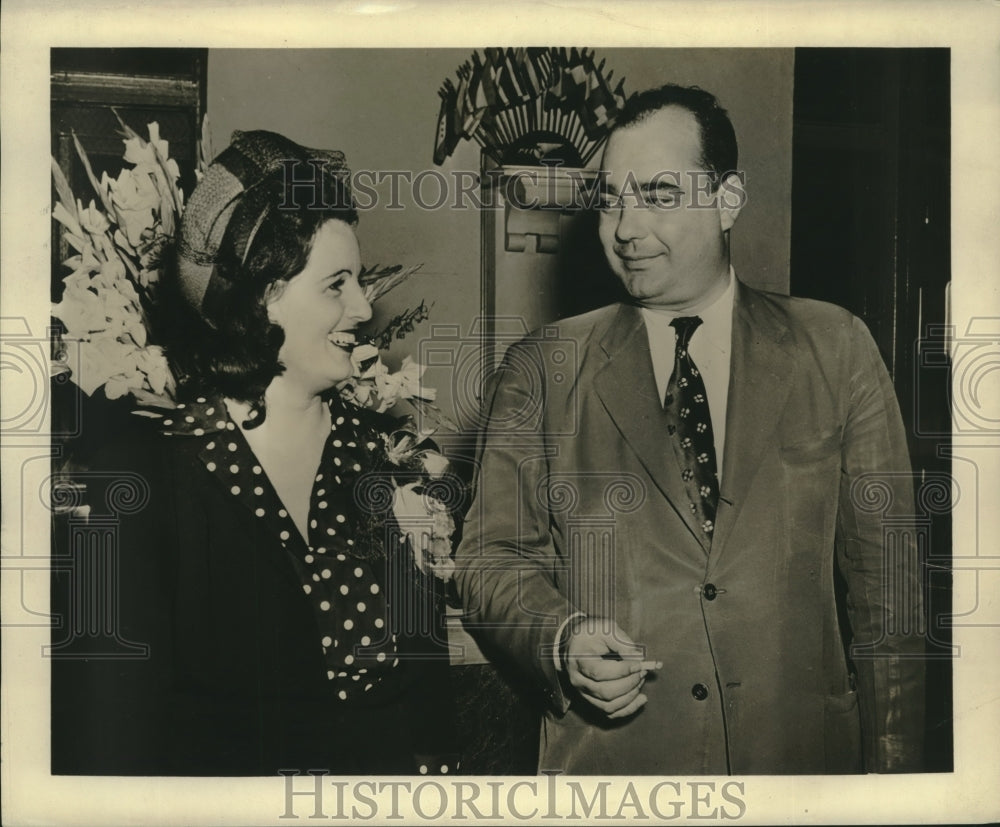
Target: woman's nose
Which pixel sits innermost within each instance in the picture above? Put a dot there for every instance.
(358, 307)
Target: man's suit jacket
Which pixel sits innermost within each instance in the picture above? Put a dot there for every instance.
(580, 506)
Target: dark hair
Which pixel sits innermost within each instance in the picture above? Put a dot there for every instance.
(719, 150)
(236, 355)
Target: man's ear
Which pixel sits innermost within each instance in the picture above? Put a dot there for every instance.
(732, 196)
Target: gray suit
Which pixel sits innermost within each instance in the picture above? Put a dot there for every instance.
(580, 506)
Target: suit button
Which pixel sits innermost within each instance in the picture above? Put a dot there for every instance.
(700, 691)
(710, 591)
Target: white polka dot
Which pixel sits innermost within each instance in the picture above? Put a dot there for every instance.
(316, 577)
(168, 422)
(231, 446)
(337, 443)
(362, 671)
(330, 675)
(356, 467)
(336, 461)
(371, 446)
(182, 405)
(340, 420)
(358, 572)
(348, 624)
(319, 477)
(230, 426)
(210, 411)
(373, 588)
(321, 550)
(423, 769)
(350, 542)
(309, 558)
(210, 446)
(367, 686)
(257, 469)
(331, 531)
(349, 659)
(199, 431)
(258, 490)
(326, 574)
(444, 769)
(259, 512)
(325, 605)
(282, 512)
(321, 492)
(220, 424)
(342, 695)
(341, 557)
(312, 524)
(235, 489)
(351, 445)
(307, 588)
(284, 535)
(344, 590)
(322, 503)
(395, 662)
(361, 607)
(234, 469)
(380, 657)
(327, 640)
(337, 480)
(189, 419)
(210, 466)
(379, 623)
(201, 400)
(355, 422)
(366, 641)
(341, 518)
(355, 677)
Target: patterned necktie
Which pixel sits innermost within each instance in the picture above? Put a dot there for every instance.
(690, 428)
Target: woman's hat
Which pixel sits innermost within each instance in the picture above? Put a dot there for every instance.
(229, 204)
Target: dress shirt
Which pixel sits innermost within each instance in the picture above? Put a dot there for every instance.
(710, 348)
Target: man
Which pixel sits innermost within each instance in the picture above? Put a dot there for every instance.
(661, 520)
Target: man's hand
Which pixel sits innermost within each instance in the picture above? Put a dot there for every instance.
(606, 667)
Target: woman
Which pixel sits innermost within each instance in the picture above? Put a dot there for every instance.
(285, 626)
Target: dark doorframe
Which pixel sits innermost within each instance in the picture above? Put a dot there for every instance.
(871, 232)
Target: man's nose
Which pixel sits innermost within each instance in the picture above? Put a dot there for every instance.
(630, 224)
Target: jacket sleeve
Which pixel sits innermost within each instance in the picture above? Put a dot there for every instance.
(507, 560)
(878, 556)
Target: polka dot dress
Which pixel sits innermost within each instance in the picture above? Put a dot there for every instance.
(341, 581)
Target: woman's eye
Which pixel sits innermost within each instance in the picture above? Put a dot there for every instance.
(336, 286)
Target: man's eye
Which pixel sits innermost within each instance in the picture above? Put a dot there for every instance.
(662, 198)
(607, 202)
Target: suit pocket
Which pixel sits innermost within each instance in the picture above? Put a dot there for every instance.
(842, 733)
(796, 451)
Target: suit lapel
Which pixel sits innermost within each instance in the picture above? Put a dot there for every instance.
(761, 374)
(627, 389)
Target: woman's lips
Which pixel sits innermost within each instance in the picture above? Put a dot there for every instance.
(347, 340)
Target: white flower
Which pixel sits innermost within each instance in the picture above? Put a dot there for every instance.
(435, 464)
(81, 311)
(135, 197)
(92, 219)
